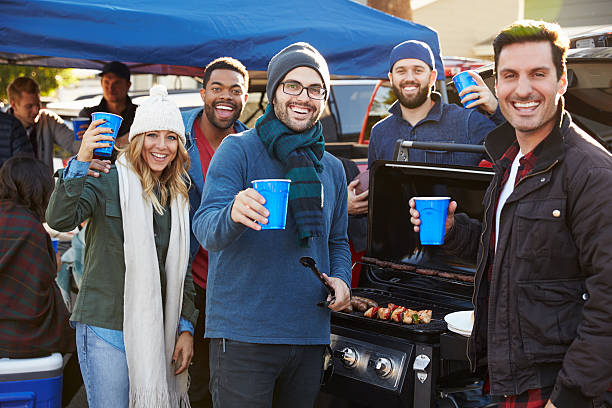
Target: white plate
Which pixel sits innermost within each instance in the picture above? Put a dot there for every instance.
(461, 332)
(460, 322)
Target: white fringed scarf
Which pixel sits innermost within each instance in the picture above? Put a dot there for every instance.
(148, 333)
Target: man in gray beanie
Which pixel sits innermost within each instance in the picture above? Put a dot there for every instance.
(270, 351)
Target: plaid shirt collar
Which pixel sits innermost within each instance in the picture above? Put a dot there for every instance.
(526, 163)
(550, 149)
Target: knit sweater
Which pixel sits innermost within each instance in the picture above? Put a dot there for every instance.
(257, 291)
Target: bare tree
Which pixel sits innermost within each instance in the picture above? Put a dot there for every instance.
(397, 8)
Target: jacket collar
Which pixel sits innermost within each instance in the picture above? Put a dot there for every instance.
(550, 149)
(29, 129)
(103, 105)
(434, 114)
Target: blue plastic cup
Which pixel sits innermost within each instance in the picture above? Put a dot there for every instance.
(54, 242)
(432, 212)
(276, 193)
(462, 80)
(76, 125)
(112, 121)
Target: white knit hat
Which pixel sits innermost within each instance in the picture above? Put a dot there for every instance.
(158, 112)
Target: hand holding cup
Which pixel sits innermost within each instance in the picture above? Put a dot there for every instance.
(248, 209)
(415, 216)
(474, 92)
(91, 137)
(80, 125)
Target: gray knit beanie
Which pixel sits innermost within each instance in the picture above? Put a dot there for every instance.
(299, 54)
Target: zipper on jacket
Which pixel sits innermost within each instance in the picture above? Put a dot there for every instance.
(482, 246)
(467, 345)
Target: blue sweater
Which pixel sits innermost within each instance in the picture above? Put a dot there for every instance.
(446, 123)
(257, 290)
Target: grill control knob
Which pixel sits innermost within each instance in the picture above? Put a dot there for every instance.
(383, 367)
(348, 356)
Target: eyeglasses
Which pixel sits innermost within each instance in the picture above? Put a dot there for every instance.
(295, 88)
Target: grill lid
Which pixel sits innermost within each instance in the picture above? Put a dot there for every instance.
(391, 237)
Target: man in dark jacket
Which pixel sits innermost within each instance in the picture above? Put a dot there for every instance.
(115, 82)
(544, 277)
(13, 138)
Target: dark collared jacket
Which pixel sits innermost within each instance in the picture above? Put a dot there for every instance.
(127, 114)
(13, 138)
(545, 317)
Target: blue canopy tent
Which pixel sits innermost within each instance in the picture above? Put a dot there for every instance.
(181, 37)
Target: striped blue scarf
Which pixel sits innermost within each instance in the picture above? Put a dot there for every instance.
(301, 154)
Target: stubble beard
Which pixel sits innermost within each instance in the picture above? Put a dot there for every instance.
(282, 113)
(417, 100)
(209, 111)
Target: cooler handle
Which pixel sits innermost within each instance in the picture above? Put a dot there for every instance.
(27, 398)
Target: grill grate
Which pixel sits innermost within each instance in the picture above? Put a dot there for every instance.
(358, 320)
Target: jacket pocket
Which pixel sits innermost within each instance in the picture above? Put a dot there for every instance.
(113, 209)
(541, 230)
(113, 224)
(549, 314)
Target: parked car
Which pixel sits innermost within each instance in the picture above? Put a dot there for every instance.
(589, 93)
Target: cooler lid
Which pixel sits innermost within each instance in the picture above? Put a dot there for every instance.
(390, 234)
(31, 365)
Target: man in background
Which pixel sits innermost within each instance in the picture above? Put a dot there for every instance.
(115, 82)
(13, 138)
(420, 115)
(224, 94)
(44, 128)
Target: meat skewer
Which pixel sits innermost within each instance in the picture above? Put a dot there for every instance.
(371, 312)
(384, 313)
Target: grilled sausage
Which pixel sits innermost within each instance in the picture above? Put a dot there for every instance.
(359, 305)
(348, 309)
(366, 300)
(428, 272)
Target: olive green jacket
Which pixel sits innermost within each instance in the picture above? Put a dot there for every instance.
(100, 299)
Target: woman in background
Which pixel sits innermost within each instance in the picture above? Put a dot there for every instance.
(33, 317)
(134, 313)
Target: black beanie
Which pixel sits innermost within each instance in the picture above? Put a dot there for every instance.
(299, 54)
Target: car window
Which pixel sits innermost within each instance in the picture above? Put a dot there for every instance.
(380, 108)
(352, 102)
(589, 98)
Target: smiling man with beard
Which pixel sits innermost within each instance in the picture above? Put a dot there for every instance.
(267, 333)
(420, 115)
(224, 93)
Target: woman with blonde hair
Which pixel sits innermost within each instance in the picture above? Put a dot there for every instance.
(134, 314)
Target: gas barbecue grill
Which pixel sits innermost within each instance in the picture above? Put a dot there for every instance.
(380, 363)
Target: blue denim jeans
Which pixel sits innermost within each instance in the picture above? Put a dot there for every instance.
(104, 369)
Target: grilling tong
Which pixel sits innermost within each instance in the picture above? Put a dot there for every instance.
(308, 262)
